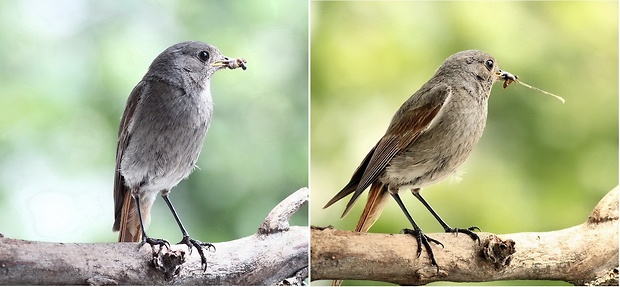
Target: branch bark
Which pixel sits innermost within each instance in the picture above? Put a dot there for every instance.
(277, 253)
(586, 254)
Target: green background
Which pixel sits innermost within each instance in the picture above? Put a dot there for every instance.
(67, 68)
(540, 165)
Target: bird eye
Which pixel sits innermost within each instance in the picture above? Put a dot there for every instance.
(489, 64)
(203, 56)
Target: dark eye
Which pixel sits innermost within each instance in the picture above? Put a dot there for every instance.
(489, 64)
(203, 56)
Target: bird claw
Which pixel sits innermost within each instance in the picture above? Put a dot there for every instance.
(423, 239)
(191, 243)
(469, 231)
(154, 241)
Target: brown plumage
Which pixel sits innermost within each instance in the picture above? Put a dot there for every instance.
(429, 137)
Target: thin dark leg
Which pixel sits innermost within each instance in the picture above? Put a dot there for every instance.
(420, 237)
(186, 239)
(145, 238)
(446, 227)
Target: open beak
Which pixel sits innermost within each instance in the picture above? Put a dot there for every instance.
(507, 77)
(231, 63)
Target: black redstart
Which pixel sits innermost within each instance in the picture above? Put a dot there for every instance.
(161, 134)
(429, 137)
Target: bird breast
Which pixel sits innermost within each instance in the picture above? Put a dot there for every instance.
(164, 148)
(441, 149)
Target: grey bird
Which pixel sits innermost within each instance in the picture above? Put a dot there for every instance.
(161, 134)
(429, 137)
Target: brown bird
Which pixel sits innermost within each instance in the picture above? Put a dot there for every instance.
(429, 137)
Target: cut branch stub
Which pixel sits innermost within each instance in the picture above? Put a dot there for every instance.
(278, 219)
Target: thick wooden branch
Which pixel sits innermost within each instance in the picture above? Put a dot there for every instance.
(274, 255)
(583, 254)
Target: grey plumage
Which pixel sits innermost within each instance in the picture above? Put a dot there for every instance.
(162, 131)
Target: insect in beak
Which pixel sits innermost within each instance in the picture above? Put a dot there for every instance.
(509, 78)
(231, 63)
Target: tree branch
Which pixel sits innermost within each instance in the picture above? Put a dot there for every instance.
(583, 254)
(275, 254)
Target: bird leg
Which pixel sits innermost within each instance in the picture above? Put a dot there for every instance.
(187, 240)
(469, 231)
(420, 237)
(145, 238)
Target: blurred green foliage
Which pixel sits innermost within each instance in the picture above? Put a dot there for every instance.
(67, 68)
(540, 165)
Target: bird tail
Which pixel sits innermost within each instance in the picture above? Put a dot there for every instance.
(377, 197)
(129, 228)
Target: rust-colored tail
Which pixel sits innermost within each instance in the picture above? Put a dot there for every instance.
(377, 197)
(129, 228)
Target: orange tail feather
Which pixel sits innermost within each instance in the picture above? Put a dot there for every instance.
(129, 230)
(377, 197)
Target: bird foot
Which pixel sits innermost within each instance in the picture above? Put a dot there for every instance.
(424, 240)
(469, 231)
(190, 242)
(153, 242)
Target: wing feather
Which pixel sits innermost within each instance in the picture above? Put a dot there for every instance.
(124, 135)
(405, 128)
